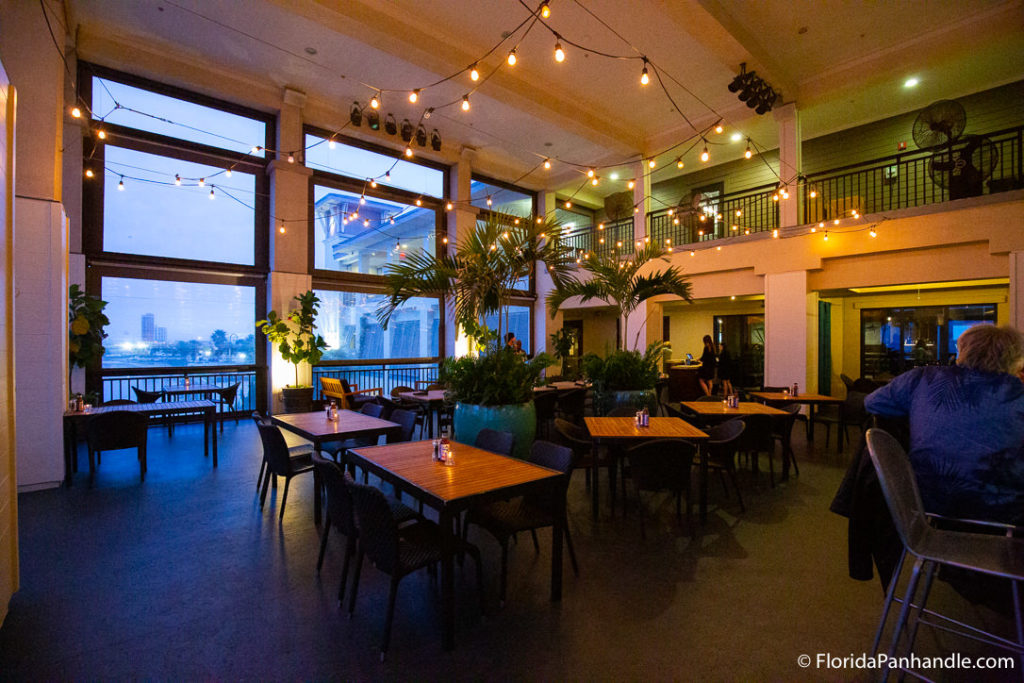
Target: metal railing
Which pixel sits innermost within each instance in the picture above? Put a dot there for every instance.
(975, 165)
(117, 384)
(369, 375)
(736, 213)
(601, 239)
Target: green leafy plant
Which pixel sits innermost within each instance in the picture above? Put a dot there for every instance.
(561, 344)
(624, 371)
(623, 281)
(86, 321)
(295, 336)
(497, 377)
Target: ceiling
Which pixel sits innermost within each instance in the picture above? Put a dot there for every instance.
(843, 63)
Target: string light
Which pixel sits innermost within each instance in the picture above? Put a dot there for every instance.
(739, 212)
(749, 153)
(835, 222)
(212, 194)
(512, 57)
(291, 158)
(89, 173)
(408, 151)
(387, 175)
(331, 143)
(568, 204)
(375, 101)
(101, 134)
(449, 206)
(545, 10)
(813, 193)
(281, 229)
(644, 77)
(631, 184)
(705, 155)
(590, 173)
(362, 200)
(414, 95)
(652, 163)
(671, 211)
(76, 112)
(227, 173)
(719, 129)
(547, 164)
(419, 202)
(775, 233)
(255, 149)
(202, 182)
(444, 240)
(775, 197)
(465, 103)
(826, 235)
(559, 52)
(693, 253)
(679, 162)
(474, 74)
(177, 179)
(813, 229)
(594, 182)
(373, 183)
(489, 202)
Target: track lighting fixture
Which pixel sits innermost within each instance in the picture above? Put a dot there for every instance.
(421, 135)
(407, 130)
(753, 90)
(355, 115)
(373, 120)
(390, 125)
(435, 140)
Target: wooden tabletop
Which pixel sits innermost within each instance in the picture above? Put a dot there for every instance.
(475, 472)
(433, 396)
(625, 428)
(316, 427)
(799, 398)
(562, 386)
(164, 407)
(745, 408)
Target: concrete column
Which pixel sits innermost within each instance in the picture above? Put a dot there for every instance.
(40, 257)
(785, 329)
(289, 268)
(790, 162)
(543, 324)
(1016, 307)
(641, 198)
(461, 222)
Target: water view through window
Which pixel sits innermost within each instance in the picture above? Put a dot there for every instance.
(160, 323)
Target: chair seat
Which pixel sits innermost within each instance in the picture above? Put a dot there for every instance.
(402, 512)
(995, 555)
(506, 517)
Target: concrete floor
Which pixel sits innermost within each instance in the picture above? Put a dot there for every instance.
(183, 577)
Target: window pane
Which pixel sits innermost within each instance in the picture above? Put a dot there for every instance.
(192, 122)
(348, 322)
(160, 323)
(384, 231)
(361, 163)
(518, 324)
(502, 200)
(154, 217)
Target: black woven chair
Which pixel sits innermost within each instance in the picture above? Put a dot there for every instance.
(572, 404)
(502, 519)
(341, 516)
(757, 439)
(396, 551)
(662, 465)
(143, 396)
(544, 403)
(683, 413)
(226, 400)
(782, 431)
(115, 431)
(281, 463)
(721, 449)
(407, 420)
(587, 457)
(494, 441)
(849, 413)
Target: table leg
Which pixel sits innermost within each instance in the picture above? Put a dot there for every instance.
(810, 422)
(447, 581)
(213, 432)
(70, 443)
(206, 436)
(557, 533)
(703, 483)
(593, 480)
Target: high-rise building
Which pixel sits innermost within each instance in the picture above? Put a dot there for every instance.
(161, 334)
(149, 327)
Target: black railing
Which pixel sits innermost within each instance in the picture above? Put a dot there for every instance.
(975, 165)
(117, 384)
(602, 238)
(736, 213)
(369, 375)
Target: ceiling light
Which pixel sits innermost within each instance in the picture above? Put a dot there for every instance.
(736, 137)
(559, 52)
(465, 103)
(473, 73)
(512, 57)
(911, 82)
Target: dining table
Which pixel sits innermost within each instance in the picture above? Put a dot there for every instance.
(316, 428)
(810, 400)
(430, 400)
(562, 386)
(607, 431)
(476, 477)
(75, 421)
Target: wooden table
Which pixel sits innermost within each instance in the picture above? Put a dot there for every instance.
(477, 477)
(811, 400)
(75, 421)
(431, 400)
(624, 429)
(562, 386)
(316, 428)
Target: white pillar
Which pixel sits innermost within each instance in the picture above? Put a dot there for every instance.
(1016, 307)
(790, 162)
(785, 329)
(635, 332)
(543, 324)
(461, 221)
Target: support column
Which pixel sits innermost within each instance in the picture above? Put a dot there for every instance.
(790, 163)
(635, 332)
(289, 251)
(1016, 307)
(461, 221)
(785, 329)
(543, 324)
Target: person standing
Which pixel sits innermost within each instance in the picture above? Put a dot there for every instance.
(706, 372)
(726, 369)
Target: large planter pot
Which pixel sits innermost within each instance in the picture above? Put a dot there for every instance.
(521, 420)
(297, 399)
(606, 401)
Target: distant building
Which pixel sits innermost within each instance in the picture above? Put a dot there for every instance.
(161, 334)
(148, 327)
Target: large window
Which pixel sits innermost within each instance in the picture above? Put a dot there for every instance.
(518, 323)
(348, 322)
(161, 323)
(355, 233)
(896, 339)
(488, 194)
(355, 162)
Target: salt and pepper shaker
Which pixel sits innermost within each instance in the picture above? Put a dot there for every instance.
(795, 390)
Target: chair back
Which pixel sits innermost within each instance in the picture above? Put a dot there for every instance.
(554, 457)
(257, 417)
(853, 408)
(372, 409)
(407, 420)
(774, 390)
(708, 399)
(725, 432)
(144, 396)
(662, 464)
(622, 411)
(229, 394)
(572, 434)
(345, 386)
(758, 434)
(119, 402)
(494, 441)
(117, 429)
(683, 413)
(847, 381)
(400, 390)
(275, 449)
(378, 531)
(544, 403)
(331, 387)
(899, 486)
(339, 500)
(434, 386)
(573, 403)
(782, 425)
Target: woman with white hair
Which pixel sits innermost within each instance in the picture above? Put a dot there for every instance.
(966, 426)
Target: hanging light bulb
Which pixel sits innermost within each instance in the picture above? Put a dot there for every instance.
(547, 164)
(835, 222)
(739, 212)
(281, 229)
(679, 162)
(444, 240)
(600, 226)
(76, 112)
(785, 193)
(636, 209)
(775, 233)
(89, 173)
(373, 183)
(375, 102)
(512, 57)
(291, 158)
(202, 182)
(813, 229)
(366, 222)
(387, 175)
(594, 182)
(775, 197)
(545, 10)
(705, 155)
(826, 235)
(749, 153)
(419, 202)
(489, 202)
(671, 211)
(474, 74)
(212, 194)
(331, 143)
(813, 193)
(398, 246)
(465, 103)
(408, 151)
(414, 95)
(177, 179)
(568, 204)
(652, 163)
(227, 173)
(362, 200)
(101, 134)
(590, 173)
(821, 224)
(559, 52)
(719, 129)
(449, 206)
(255, 149)
(631, 184)
(391, 220)
(644, 77)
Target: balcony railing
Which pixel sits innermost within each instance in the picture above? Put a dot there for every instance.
(368, 375)
(117, 384)
(602, 238)
(735, 213)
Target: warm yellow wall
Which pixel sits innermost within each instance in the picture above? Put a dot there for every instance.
(688, 323)
(598, 329)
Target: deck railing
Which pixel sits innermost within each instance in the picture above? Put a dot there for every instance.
(602, 238)
(736, 213)
(369, 375)
(118, 383)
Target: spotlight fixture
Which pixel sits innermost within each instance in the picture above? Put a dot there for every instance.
(406, 130)
(644, 78)
(390, 125)
(753, 90)
(355, 115)
(435, 140)
(421, 136)
(373, 120)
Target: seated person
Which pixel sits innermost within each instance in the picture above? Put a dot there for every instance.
(966, 426)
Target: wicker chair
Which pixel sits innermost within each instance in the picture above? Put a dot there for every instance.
(281, 463)
(721, 448)
(117, 430)
(494, 441)
(660, 465)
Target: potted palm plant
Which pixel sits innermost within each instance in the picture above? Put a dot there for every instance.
(297, 341)
(625, 378)
(479, 277)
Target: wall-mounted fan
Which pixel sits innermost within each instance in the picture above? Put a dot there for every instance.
(960, 163)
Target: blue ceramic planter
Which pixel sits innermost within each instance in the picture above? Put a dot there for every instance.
(521, 420)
